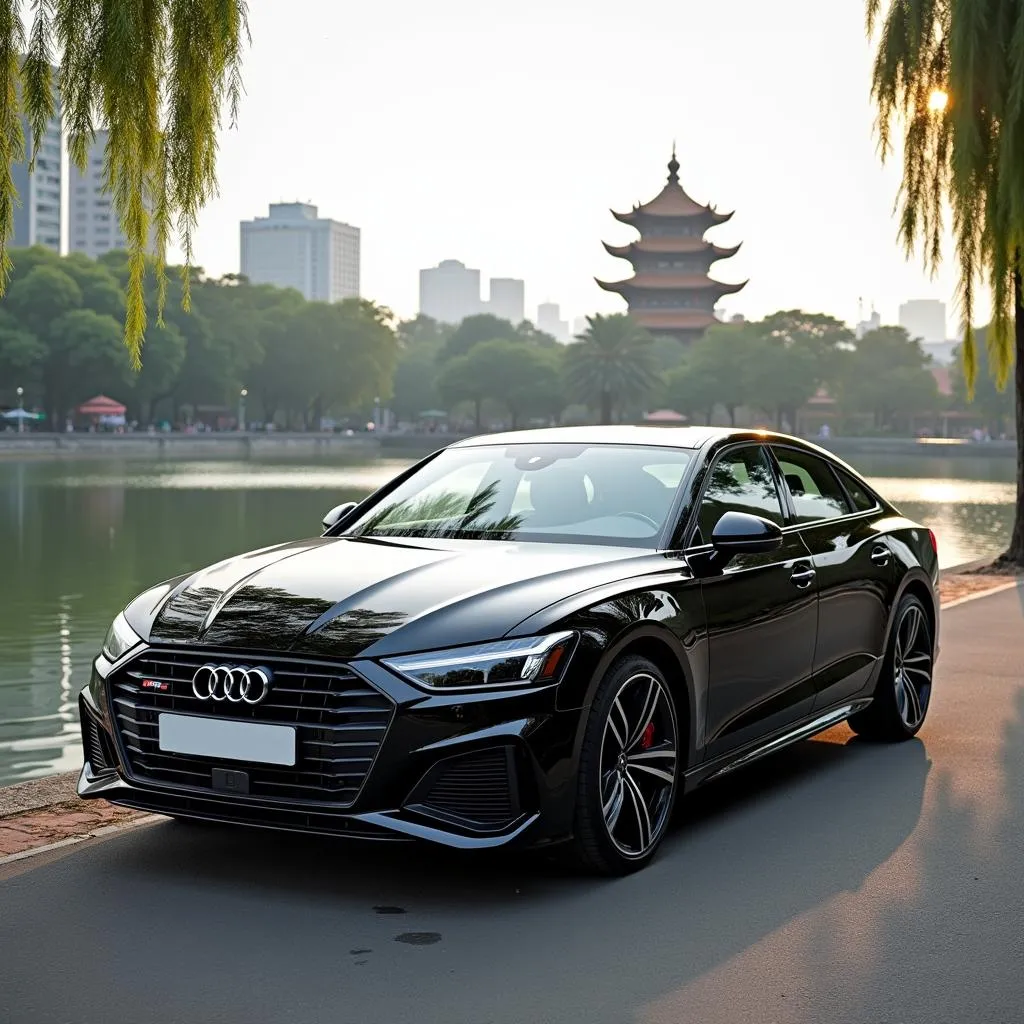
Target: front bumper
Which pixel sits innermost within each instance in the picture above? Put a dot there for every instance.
(434, 744)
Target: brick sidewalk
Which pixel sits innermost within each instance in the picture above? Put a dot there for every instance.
(74, 819)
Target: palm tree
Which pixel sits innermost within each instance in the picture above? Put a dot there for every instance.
(949, 74)
(611, 363)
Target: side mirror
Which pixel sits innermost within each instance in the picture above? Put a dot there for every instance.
(739, 533)
(338, 513)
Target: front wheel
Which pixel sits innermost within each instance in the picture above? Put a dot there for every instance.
(904, 687)
(629, 769)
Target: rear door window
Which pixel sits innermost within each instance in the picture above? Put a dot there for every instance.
(812, 485)
(862, 499)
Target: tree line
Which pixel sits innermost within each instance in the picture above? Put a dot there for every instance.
(61, 340)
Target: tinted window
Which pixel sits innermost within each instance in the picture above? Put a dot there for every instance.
(815, 490)
(588, 493)
(741, 481)
(862, 500)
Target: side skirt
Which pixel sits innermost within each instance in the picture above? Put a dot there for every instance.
(819, 722)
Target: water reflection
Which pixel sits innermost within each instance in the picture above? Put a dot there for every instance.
(77, 539)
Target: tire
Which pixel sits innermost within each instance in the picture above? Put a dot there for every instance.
(629, 770)
(903, 691)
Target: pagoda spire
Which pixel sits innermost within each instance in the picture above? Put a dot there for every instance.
(673, 167)
(671, 291)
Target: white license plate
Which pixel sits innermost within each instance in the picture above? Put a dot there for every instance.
(238, 741)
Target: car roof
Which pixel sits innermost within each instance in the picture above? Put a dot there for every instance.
(661, 437)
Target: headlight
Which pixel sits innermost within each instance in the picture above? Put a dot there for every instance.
(529, 661)
(121, 638)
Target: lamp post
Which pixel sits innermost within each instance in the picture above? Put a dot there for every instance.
(376, 415)
(21, 408)
(241, 408)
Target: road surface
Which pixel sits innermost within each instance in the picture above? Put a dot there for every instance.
(839, 882)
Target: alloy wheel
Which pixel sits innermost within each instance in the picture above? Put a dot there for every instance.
(638, 764)
(912, 667)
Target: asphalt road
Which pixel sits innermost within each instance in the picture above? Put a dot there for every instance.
(839, 882)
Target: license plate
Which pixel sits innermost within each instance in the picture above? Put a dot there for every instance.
(237, 741)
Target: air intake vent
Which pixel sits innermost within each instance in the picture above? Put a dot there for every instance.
(478, 790)
(95, 743)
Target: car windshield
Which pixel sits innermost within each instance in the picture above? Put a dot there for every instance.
(600, 494)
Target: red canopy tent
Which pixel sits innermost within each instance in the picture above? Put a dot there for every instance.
(102, 406)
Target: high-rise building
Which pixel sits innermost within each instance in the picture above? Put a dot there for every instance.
(508, 299)
(924, 319)
(294, 248)
(37, 218)
(671, 291)
(873, 322)
(450, 292)
(94, 226)
(579, 326)
(549, 320)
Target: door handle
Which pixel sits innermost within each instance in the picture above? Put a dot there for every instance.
(803, 577)
(881, 555)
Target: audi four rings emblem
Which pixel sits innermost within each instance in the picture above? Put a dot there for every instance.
(234, 683)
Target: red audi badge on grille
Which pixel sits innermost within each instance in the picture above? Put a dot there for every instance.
(153, 684)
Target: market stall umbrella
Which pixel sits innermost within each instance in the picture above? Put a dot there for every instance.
(21, 414)
(434, 414)
(664, 416)
(102, 406)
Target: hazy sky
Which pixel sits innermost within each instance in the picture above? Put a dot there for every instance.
(501, 135)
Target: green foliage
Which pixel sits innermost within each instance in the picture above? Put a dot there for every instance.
(60, 334)
(887, 374)
(612, 364)
(523, 376)
(967, 154)
(994, 404)
(157, 75)
(473, 330)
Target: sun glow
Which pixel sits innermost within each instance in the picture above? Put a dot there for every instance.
(938, 100)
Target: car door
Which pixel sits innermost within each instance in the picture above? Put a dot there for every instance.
(761, 610)
(855, 570)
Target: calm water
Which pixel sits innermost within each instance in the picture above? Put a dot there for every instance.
(78, 539)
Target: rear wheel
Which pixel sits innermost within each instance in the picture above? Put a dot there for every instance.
(904, 687)
(629, 769)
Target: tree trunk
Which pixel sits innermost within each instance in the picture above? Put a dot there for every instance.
(1015, 552)
(732, 415)
(606, 407)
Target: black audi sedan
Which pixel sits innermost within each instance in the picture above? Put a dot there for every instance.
(542, 637)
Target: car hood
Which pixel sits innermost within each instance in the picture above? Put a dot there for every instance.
(343, 597)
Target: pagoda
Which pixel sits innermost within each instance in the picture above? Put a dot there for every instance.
(671, 291)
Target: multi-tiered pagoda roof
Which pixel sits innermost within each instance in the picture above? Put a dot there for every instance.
(671, 290)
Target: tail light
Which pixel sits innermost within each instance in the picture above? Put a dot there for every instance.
(935, 543)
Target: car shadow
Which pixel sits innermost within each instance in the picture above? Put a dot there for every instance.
(748, 854)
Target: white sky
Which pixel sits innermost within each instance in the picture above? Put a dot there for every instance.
(501, 135)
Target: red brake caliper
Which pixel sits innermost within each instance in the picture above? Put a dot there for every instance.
(647, 738)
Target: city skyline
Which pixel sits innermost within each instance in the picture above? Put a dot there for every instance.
(797, 164)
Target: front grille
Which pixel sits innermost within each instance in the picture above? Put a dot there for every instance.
(478, 789)
(340, 721)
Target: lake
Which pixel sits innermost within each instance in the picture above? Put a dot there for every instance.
(79, 538)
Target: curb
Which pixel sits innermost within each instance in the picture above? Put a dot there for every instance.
(100, 833)
(998, 589)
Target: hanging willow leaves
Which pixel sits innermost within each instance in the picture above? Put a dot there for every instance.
(950, 74)
(158, 75)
